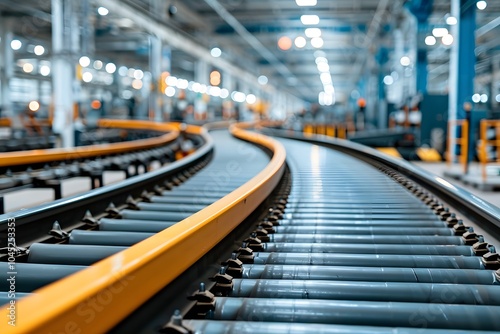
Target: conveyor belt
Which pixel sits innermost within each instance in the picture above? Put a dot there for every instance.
(353, 252)
(48, 262)
(341, 246)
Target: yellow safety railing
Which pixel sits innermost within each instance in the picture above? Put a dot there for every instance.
(488, 127)
(60, 154)
(94, 300)
(338, 130)
(461, 141)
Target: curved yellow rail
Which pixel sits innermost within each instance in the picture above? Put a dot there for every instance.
(48, 155)
(97, 298)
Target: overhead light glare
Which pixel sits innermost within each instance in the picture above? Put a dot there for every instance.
(481, 5)
(439, 32)
(305, 3)
(451, 20)
(39, 50)
(300, 42)
(405, 61)
(262, 80)
(313, 32)
(317, 42)
(447, 39)
(216, 52)
(430, 40)
(16, 44)
(309, 19)
(103, 11)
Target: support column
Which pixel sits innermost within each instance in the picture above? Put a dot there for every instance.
(466, 55)
(6, 67)
(382, 58)
(62, 71)
(201, 75)
(155, 57)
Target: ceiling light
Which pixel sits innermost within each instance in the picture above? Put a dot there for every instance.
(313, 32)
(447, 39)
(405, 61)
(476, 98)
(325, 78)
(497, 98)
(430, 40)
(138, 74)
(388, 80)
(262, 80)
(251, 99)
(317, 42)
(224, 93)
(34, 106)
(84, 61)
(309, 19)
(284, 43)
(44, 70)
(102, 11)
(481, 5)
(451, 20)
(98, 64)
(87, 77)
(323, 67)
(304, 3)
(28, 67)
(110, 68)
(484, 98)
(170, 91)
(321, 59)
(39, 50)
(137, 84)
(300, 42)
(439, 32)
(16, 44)
(216, 52)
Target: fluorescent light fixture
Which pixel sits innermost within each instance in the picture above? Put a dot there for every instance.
(44, 70)
(313, 32)
(110, 68)
(323, 67)
(309, 19)
(16, 44)
(325, 78)
(405, 61)
(84, 61)
(216, 52)
(439, 32)
(447, 39)
(321, 59)
(300, 42)
(317, 42)
(304, 3)
(451, 20)
(430, 40)
(102, 11)
(262, 80)
(481, 5)
(39, 50)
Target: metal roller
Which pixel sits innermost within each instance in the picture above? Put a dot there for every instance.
(374, 216)
(369, 260)
(153, 215)
(363, 210)
(370, 291)
(320, 205)
(395, 314)
(368, 239)
(183, 200)
(375, 274)
(31, 276)
(108, 238)
(134, 225)
(70, 254)
(367, 230)
(369, 249)
(247, 327)
(376, 223)
(185, 208)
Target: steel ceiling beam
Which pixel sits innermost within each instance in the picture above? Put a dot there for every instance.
(250, 39)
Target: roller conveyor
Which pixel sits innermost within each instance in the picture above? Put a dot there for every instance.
(354, 256)
(46, 262)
